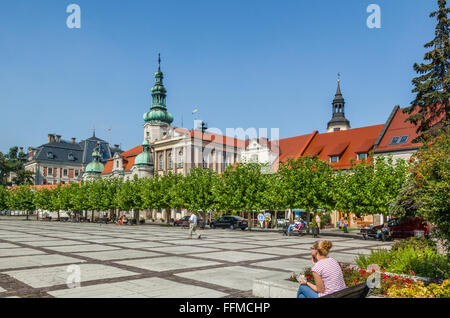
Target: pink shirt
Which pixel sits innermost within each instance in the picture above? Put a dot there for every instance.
(331, 274)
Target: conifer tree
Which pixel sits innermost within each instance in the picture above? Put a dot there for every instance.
(432, 86)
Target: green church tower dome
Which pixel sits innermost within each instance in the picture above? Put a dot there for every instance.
(145, 158)
(95, 166)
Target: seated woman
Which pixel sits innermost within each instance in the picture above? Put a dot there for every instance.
(327, 273)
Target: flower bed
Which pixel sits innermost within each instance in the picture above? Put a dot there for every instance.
(391, 285)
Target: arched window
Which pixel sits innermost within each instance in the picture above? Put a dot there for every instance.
(169, 158)
(180, 159)
(161, 162)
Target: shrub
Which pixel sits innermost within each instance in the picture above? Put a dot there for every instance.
(382, 257)
(409, 260)
(419, 290)
(415, 242)
(162, 220)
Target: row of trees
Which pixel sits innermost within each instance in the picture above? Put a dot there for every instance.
(307, 183)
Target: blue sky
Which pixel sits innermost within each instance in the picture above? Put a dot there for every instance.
(244, 63)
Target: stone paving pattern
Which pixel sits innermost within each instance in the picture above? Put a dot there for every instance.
(150, 261)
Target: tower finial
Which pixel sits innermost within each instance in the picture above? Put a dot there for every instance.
(339, 77)
(159, 62)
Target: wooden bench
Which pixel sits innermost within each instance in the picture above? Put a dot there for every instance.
(358, 291)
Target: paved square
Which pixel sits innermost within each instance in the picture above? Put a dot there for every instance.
(149, 287)
(52, 276)
(170, 263)
(150, 261)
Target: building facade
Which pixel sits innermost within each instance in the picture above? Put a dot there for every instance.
(63, 162)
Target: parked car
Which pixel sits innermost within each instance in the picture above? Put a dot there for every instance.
(184, 222)
(399, 228)
(231, 222)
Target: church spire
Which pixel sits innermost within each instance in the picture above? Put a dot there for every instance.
(158, 112)
(338, 120)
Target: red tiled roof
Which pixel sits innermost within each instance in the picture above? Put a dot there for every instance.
(346, 143)
(128, 160)
(293, 147)
(397, 127)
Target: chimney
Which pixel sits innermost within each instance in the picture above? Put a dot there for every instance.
(116, 146)
(51, 138)
(73, 140)
(58, 138)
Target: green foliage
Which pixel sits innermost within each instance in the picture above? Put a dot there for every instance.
(372, 187)
(307, 183)
(21, 198)
(432, 86)
(414, 242)
(426, 194)
(3, 198)
(240, 188)
(425, 262)
(13, 163)
(197, 191)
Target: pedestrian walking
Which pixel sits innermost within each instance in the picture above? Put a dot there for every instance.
(193, 226)
(345, 225)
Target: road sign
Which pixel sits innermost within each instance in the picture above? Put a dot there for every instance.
(261, 219)
(268, 216)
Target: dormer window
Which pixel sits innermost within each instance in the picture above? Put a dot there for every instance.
(71, 157)
(50, 155)
(334, 159)
(399, 140)
(362, 156)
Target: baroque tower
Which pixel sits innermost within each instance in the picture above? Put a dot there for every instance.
(338, 121)
(158, 119)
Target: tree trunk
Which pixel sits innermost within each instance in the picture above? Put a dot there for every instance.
(28, 214)
(58, 215)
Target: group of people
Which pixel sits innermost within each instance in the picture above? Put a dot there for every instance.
(122, 220)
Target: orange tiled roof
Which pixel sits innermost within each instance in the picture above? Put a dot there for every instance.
(346, 144)
(128, 160)
(397, 127)
(291, 148)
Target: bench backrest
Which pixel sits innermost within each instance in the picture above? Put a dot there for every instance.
(358, 291)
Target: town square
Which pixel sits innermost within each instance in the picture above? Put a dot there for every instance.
(246, 150)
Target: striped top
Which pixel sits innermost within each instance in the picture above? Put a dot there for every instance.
(332, 276)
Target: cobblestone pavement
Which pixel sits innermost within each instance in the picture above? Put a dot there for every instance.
(37, 260)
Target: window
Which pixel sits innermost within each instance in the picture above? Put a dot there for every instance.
(399, 140)
(169, 158)
(362, 156)
(337, 129)
(254, 158)
(180, 159)
(50, 171)
(161, 162)
(65, 172)
(76, 173)
(334, 159)
(71, 157)
(50, 155)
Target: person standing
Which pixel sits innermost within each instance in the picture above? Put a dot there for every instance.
(318, 220)
(193, 226)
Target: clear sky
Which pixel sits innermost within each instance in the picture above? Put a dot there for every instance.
(244, 63)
